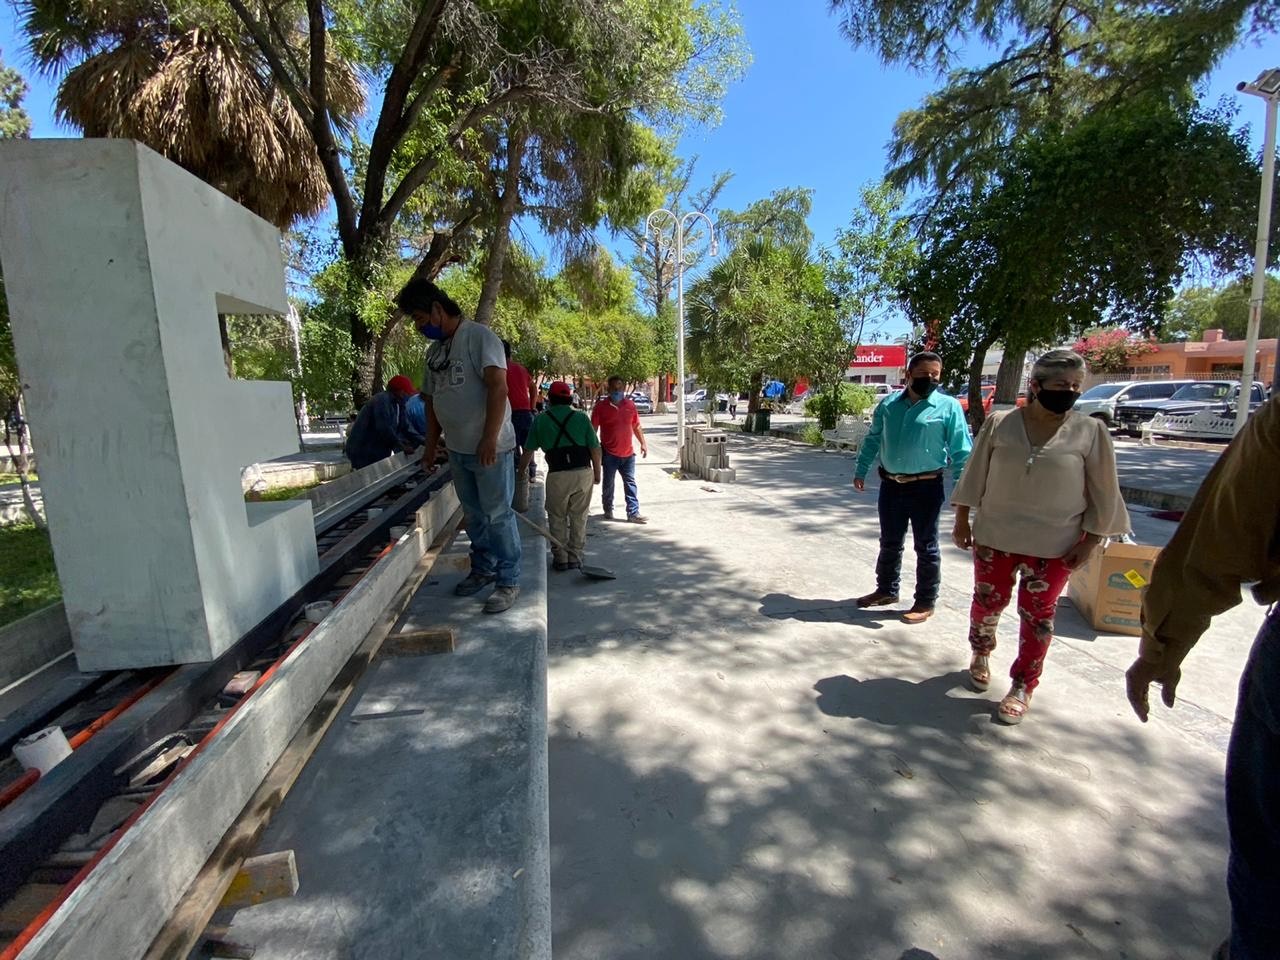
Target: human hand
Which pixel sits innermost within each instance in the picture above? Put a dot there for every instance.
(644, 451)
(1138, 680)
(487, 451)
(1079, 555)
(595, 478)
(429, 459)
(859, 484)
(962, 534)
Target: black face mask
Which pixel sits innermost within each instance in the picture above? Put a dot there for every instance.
(1057, 401)
(923, 386)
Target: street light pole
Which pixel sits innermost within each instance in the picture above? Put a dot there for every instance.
(677, 255)
(1266, 86)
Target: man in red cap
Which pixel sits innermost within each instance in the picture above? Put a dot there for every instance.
(382, 427)
(572, 450)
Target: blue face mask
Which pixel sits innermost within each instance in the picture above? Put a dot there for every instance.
(616, 396)
(431, 331)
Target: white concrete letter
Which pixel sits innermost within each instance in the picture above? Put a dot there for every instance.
(116, 265)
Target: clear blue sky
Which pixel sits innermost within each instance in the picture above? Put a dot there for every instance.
(812, 111)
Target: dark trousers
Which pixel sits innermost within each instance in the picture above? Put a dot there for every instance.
(627, 467)
(522, 422)
(919, 504)
(1253, 802)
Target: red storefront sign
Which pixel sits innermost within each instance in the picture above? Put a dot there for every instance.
(880, 355)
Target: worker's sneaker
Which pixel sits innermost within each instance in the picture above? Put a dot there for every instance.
(608, 514)
(636, 518)
(474, 583)
(501, 599)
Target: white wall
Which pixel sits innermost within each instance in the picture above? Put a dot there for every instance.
(116, 266)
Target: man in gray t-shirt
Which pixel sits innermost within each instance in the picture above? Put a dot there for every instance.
(464, 389)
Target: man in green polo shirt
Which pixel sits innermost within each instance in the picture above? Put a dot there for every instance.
(572, 450)
(918, 434)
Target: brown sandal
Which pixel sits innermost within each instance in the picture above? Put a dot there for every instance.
(1015, 705)
(979, 672)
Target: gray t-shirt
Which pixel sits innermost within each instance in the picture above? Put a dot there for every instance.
(454, 380)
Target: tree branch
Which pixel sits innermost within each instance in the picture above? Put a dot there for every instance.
(322, 134)
(301, 102)
(391, 127)
(418, 174)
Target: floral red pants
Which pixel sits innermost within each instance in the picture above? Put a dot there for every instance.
(1042, 583)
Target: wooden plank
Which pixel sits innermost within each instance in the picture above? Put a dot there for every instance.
(266, 877)
(182, 931)
(419, 643)
(33, 642)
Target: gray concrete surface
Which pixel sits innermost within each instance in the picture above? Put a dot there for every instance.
(420, 824)
(743, 765)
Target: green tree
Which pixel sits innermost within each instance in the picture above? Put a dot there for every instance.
(14, 122)
(763, 310)
(453, 71)
(782, 217)
(1231, 309)
(1097, 223)
(1058, 63)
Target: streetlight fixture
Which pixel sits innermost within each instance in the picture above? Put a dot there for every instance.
(1267, 86)
(676, 253)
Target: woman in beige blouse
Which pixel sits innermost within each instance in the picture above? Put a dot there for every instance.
(1043, 482)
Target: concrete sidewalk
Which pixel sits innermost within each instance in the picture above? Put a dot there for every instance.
(744, 765)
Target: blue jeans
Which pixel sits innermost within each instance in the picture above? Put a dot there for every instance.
(522, 422)
(919, 504)
(485, 493)
(1253, 802)
(627, 467)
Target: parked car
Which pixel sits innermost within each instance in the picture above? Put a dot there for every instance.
(1102, 399)
(1217, 395)
(642, 402)
(988, 398)
(695, 402)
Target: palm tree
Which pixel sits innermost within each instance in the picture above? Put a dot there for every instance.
(192, 87)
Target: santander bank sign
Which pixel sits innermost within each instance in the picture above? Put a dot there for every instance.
(880, 355)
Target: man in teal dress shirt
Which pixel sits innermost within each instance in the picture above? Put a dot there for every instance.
(918, 434)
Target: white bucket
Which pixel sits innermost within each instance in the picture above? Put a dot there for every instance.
(43, 750)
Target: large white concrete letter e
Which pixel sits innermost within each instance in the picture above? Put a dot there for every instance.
(116, 265)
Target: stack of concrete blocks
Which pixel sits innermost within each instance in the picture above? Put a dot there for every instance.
(706, 455)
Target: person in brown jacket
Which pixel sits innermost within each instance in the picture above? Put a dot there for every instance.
(1229, 537)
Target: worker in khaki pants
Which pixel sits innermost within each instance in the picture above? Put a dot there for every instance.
(572, 450)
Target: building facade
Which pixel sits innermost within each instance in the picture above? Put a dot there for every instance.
(1211, 358)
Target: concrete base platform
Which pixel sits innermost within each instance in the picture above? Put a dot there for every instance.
(420, 826)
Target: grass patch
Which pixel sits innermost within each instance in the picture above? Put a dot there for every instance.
(812, 435)
(281, 493)
(28, 578)
(13, 478)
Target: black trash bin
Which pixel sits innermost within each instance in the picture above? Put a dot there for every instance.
(762, 421)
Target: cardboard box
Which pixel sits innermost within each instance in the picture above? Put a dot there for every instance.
(1108, 589)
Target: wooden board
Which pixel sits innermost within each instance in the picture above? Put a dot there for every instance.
(419, 643)
(262, 878)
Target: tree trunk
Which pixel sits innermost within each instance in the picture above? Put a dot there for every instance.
(364, 373)
(757, 384)
(1009, 377)
(28, 500)
(976, 414)
(225, 336)
(501, 238)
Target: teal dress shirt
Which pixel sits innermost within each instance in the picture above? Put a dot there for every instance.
(920, 437)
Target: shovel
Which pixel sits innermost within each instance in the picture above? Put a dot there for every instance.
(591, 573)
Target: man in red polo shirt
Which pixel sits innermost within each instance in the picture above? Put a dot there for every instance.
(521, 395)
(616, 418)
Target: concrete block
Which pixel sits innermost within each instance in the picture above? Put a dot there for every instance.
(117, 264)
(724, 475)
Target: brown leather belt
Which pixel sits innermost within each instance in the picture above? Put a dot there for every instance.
(908, 477)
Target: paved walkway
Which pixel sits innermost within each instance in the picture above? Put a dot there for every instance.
(745, 766)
